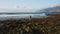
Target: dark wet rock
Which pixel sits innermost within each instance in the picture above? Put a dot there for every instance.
(35, 31)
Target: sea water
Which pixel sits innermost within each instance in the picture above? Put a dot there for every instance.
(21, 16)
(5, 15)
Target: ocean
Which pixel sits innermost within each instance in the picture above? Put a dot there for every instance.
(21, 16)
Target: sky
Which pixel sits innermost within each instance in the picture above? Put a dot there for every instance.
(27, 4)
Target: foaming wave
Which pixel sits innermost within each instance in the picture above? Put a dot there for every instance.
(21, 16)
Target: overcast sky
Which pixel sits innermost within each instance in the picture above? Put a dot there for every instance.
(28, 4)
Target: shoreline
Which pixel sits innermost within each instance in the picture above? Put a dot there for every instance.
(42, 25)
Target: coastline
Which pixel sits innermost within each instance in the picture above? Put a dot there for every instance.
(49, 25)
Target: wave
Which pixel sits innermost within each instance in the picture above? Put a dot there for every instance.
(21, 16)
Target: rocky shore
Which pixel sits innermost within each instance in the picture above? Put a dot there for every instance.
(49, 25)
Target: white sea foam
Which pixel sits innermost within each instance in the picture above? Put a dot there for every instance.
(18, 16)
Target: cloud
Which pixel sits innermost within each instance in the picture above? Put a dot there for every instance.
(54, 5)
(26, 8)
(19, 8)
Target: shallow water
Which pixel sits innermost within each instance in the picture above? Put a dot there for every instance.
(18, 16)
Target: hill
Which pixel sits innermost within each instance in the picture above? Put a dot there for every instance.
(52, 9)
